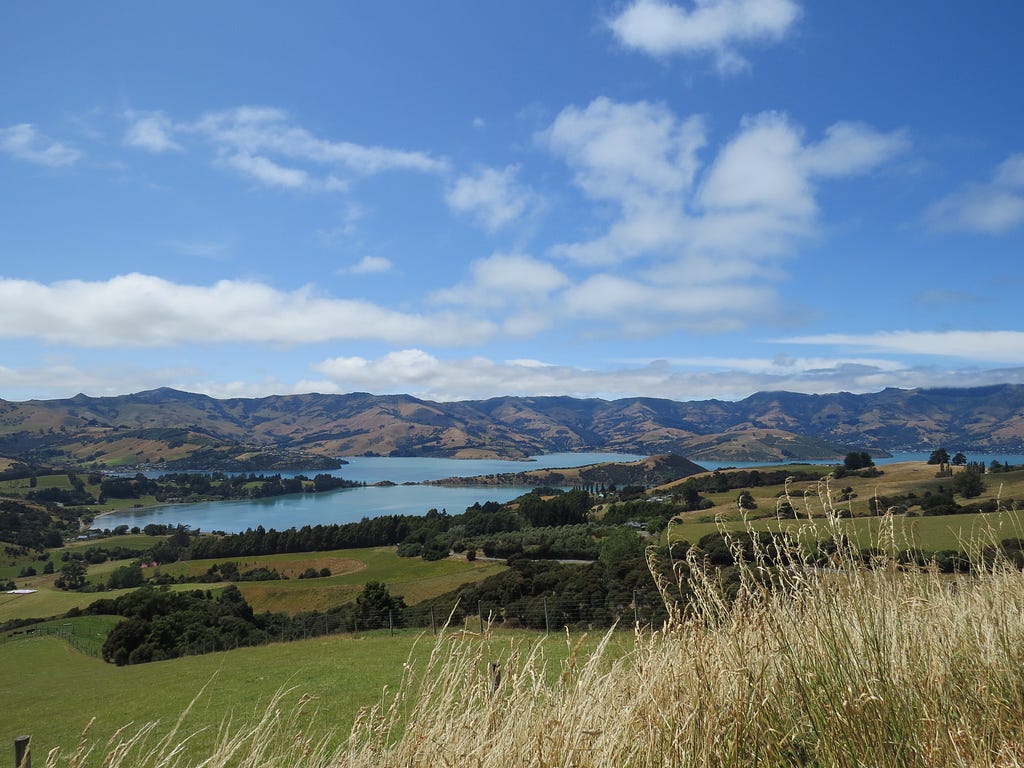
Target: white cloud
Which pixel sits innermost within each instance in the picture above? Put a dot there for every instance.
(646, 308)
(622, 152)
(369, 265)
(264, 130)
(1006, 347)
(715, 27)
(24, 142)
(138, 310)
(759, 194)
(502, 278)
(714, 237)
(519, 283)
(267, 171)
(490, 196)
(416, 372)
(851, 147)
(992, 209)
(151, 131)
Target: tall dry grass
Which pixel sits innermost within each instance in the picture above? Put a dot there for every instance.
(834, 664)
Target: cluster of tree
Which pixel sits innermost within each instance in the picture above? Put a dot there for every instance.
(161, 624)
(386, 530)
(35, 525)
(545, 523)
(229, 571)
(20, 470)
(617, 587)
(859, 463)
(734, 480)
(94, 555)
(432, 535)
(654, 515)
(217, 486)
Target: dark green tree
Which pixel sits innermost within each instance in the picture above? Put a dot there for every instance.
(376, 607)
(959, 460)
(858, 460)
(72, 576)
(939, 456)
(968, 483)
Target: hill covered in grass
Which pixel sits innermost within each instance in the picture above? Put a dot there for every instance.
(180, 429)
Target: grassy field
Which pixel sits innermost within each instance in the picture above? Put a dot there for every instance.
(841, 666)
(809, 498)
(56, 691)
(411, 578)
(832, 667)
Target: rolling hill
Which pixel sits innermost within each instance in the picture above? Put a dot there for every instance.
(180, 429)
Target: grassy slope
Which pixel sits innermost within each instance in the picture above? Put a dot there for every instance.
(59, 690)
(412, 578)
(928, 533)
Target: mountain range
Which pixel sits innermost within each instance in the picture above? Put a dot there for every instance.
(177, 428)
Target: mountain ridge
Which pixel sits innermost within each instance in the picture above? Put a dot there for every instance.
(166, 424)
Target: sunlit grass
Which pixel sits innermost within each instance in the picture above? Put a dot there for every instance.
(780, 661)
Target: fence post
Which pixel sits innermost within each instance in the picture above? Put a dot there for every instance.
(480, 613)
(391, 624)
(495, 670)
(547, 622)
(22, 752)
(636, 614)
(433, 626)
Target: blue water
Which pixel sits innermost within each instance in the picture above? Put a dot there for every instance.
(352, 504)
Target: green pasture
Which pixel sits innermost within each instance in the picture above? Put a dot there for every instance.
(53, 692)
(931, 534)
(22, 487)
(412, 578)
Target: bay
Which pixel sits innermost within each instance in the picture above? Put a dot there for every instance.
(350, 505)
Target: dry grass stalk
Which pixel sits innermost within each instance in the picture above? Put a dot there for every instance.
(834, 664)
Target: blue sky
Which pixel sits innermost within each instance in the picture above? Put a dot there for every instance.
(463, 200)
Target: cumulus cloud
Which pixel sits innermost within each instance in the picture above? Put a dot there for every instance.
(25, 142)
(138, 310)
(759, 194)
(1006, 347)
(715, 27)
(513, 281)
(490, 196)
(992, 208)
(713, 236)
(622, 152)
(151, 131)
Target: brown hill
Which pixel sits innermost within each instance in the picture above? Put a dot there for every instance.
(168, 425)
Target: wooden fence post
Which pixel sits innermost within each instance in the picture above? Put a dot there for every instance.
(495, 669)
(22, 752)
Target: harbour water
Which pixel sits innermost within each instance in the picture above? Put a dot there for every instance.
(353, 504)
